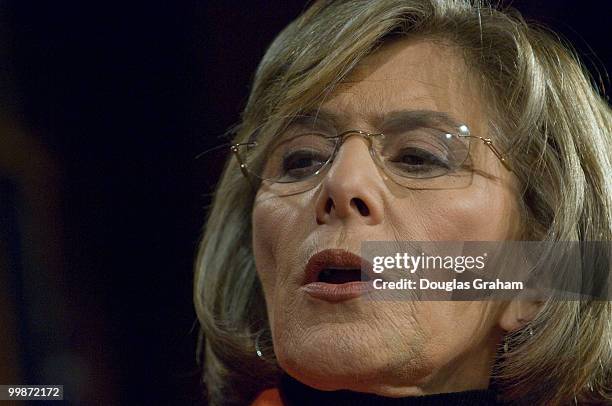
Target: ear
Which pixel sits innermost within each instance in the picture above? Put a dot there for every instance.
(518, 313)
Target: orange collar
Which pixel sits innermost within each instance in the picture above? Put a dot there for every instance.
(269, 397)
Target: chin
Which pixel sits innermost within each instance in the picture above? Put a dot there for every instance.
(334, 359)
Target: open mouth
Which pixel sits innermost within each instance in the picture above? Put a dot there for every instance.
(335, 266)
(336, 275)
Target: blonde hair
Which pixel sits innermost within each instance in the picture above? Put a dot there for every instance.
(549, 117)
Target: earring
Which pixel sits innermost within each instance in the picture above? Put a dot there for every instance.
(260, 348)
(257, 348)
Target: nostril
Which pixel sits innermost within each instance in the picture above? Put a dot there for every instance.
(361, 206)
(328, 205)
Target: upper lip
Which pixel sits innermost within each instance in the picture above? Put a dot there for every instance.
(333, 258)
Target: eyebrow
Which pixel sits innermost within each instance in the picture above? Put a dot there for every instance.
(324, 119)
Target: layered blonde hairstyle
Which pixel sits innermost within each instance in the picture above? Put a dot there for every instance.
(545, 110)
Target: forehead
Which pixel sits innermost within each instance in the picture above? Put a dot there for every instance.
(408, 75)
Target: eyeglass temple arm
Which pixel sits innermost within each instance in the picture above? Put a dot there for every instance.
(489, 143)
(243, 167)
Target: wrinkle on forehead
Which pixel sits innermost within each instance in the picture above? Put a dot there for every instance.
(410, 74)
(406, 52)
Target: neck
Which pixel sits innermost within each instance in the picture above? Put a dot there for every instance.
(295, 393)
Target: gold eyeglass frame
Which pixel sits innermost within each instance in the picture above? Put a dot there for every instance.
(234, 148)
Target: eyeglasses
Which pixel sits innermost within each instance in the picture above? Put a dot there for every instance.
(416, 156)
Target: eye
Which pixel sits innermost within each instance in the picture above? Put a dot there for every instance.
(302, 163)
(418, 160)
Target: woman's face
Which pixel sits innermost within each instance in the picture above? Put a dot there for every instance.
(396, 348)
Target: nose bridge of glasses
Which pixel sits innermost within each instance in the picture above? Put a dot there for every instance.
(344, 136)
(353, 154)
(368, 137)
(349, 133)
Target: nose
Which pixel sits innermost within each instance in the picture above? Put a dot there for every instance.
(352, 188)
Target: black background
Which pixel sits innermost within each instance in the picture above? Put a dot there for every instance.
(124, 96)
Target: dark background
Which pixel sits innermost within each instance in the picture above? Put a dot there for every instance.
(104, 108)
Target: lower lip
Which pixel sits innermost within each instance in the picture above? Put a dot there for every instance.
(332, 292)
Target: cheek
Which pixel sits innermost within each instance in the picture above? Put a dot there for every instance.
(265, 238)
(457, 323)
(279, 226)
(482, 212)
(491, 212)
(455, 329)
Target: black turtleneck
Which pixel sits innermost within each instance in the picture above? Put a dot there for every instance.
(295, 393)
